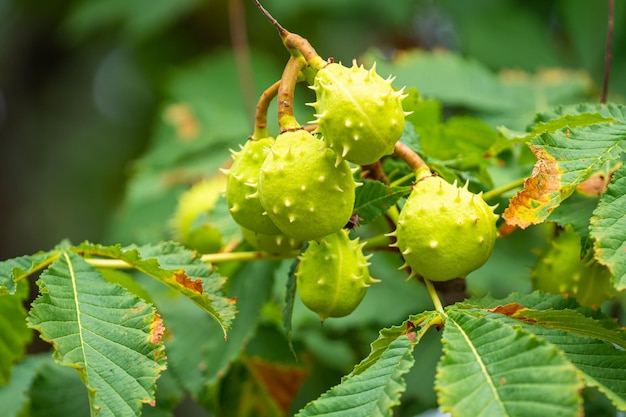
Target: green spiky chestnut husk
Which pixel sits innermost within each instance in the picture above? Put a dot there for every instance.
(333, 275)
(241, 189)
(191, 224)
(278, 244)
(359, 114)
(560, 270)
(444, 231)
(304, 193)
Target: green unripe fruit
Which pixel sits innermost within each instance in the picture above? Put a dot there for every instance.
(191, 222)
(359, 114)
(560, 270)
(444, 231)
(304, 193)
(275, 244)
(241, 189)
(332, 277)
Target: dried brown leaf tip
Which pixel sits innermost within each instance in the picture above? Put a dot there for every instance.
(183, 279)
(540, 194)
(508, 309)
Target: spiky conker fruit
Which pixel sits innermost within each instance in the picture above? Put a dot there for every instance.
(241, 189)
(304, 193)
(278, 244)
(191, 224)
(359, 114)
(333, 275)
(560, 270)
(444, 231)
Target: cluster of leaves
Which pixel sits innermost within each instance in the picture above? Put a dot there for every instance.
(113, 312)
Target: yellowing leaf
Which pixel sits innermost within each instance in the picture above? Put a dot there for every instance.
(540, 194)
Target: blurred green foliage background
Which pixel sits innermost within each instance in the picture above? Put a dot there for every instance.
(110, 109)
(83, 82)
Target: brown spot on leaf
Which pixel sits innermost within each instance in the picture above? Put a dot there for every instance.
(183, 279)
(156, 329)
(540, 195)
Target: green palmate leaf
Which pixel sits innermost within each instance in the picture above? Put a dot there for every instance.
(569, 117)
(415, 327)
(600, 363)
(112, 338)
(179, 269)
(540, 301)
(14, 335)
(608, 228)
(13, 270)
(492, 369)
(374, 392)
(374, 198)
(566, 158)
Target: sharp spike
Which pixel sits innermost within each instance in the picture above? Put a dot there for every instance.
(292, 218)
(407, 251)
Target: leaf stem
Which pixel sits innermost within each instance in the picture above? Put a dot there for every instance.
(496, 192)
(434, 296)
(209, 257)
(246, 256)
(260, 117)
(108, 263)
(286, 118)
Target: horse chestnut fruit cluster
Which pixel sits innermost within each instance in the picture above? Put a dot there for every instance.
(301, 188)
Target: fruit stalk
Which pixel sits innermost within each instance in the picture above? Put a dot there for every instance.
(412, 159)
(260, 117)
(286, 119)
(296, 44)
(434, 296)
